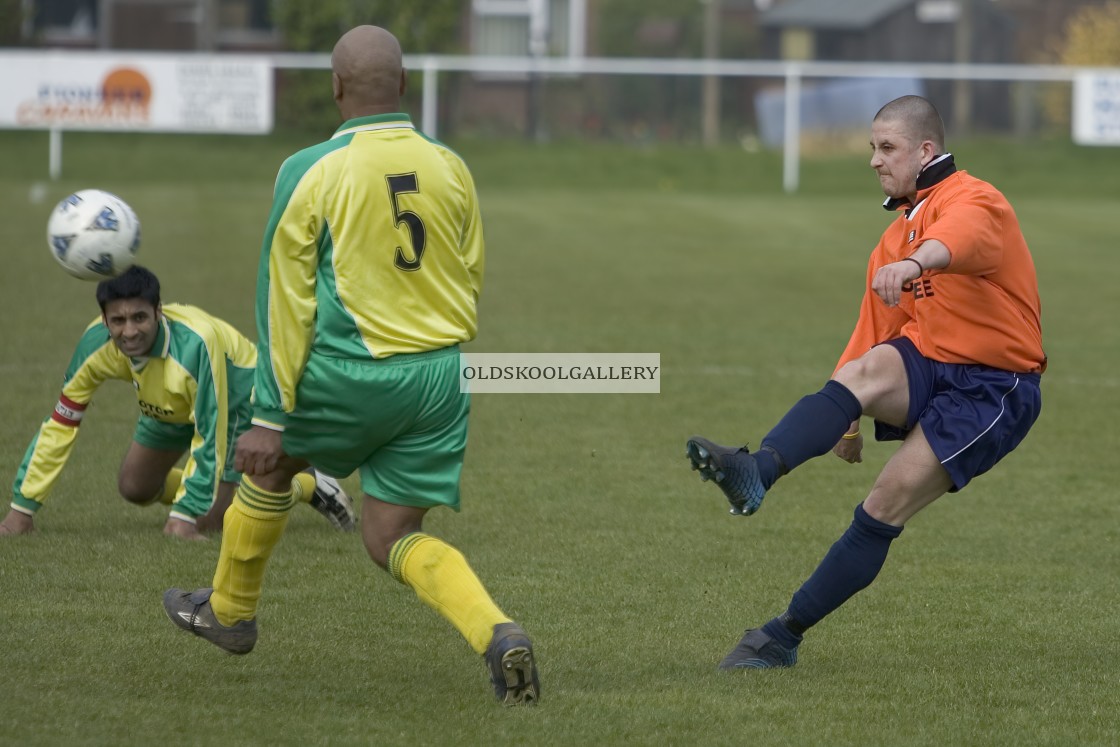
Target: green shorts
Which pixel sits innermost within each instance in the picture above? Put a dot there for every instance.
(401, 421)
(155, 434)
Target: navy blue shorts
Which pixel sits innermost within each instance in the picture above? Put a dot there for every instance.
(971, 415)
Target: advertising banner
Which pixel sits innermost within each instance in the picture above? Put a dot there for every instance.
(1096, 108)
(136, 91)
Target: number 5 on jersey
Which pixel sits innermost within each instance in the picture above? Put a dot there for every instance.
(403, 184)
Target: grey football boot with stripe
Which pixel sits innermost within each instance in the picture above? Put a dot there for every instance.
(757, 650)
(191, 611)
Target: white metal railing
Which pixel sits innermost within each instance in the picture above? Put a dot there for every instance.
(791, 72)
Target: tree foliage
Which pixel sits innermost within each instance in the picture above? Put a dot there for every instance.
(650, 28)
(423, 26)
(11, 21)
(304, 96)
(1091, 37)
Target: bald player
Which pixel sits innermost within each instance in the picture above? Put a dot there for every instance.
(369, 278)
(946, 356)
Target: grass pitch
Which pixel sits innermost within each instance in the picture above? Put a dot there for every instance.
(993, 622)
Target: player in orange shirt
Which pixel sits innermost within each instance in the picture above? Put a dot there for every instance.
(946, 357)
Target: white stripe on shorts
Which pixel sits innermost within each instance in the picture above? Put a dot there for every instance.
(1002, 409)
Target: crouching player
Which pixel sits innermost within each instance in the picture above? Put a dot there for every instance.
(193, 375)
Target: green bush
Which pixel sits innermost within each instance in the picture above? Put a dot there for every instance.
(303, 96)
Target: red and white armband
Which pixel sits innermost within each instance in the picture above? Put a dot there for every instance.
(68, 412)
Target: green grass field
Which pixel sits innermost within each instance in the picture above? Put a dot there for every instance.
(993, 623)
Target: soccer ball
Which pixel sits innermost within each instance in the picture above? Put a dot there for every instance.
(93, 234)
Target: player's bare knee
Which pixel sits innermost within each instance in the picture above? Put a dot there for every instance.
(379, 541)
(378, 551)
(896, 503)
(859, 378)
(884, 504)
(136, 491)
(878, 380)
(383, 524)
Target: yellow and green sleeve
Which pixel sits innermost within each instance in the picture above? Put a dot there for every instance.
(95, 361)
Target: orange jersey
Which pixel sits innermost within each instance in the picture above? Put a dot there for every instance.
(983, 307)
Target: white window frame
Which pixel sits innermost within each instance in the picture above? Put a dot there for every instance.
(537, 11)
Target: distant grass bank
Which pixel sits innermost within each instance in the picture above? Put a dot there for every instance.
(1053, 166)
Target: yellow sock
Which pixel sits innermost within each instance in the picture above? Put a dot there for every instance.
(303, 487)
(252, 527)
(171, 487)
(441, 577)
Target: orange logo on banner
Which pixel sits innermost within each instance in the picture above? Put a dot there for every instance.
(128, 86)
(122, 100)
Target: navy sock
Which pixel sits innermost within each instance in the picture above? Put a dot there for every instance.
(785, 630)
(811, 428)
(851, 564)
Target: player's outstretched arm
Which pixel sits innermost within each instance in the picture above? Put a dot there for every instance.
(94, 361)
(208, 447)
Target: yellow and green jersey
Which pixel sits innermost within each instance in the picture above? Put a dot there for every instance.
(373, 247)
(197, 367)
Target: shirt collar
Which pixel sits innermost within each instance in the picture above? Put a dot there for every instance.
(394, 121)
(932, 174)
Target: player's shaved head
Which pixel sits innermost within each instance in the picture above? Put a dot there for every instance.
(367, 68)
(919, 118)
